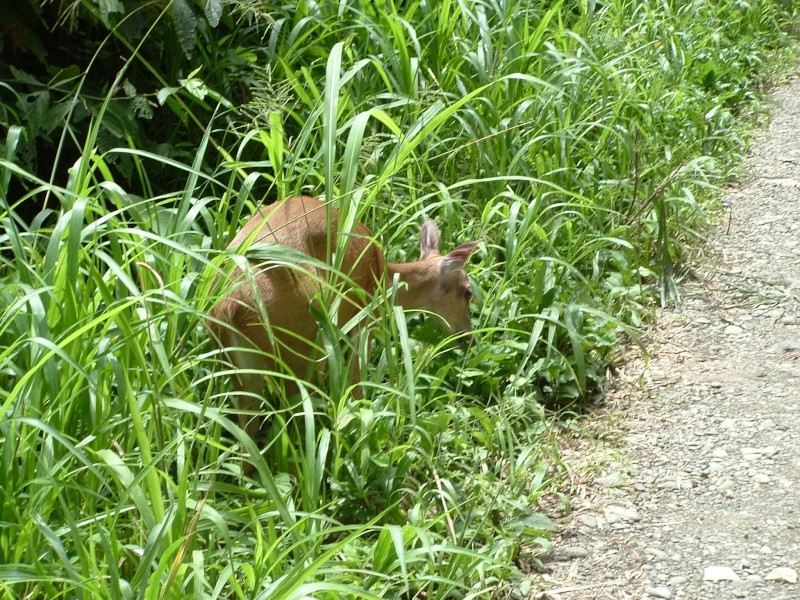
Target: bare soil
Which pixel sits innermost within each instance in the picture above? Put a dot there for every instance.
(697, 494)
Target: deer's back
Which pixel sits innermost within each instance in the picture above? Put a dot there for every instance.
(285, 294)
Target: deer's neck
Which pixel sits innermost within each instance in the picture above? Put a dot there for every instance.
(414, 278)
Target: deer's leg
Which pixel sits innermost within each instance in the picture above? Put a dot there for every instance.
(355, 362)
(250, 386)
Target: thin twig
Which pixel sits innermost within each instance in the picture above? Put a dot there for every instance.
(588, 586)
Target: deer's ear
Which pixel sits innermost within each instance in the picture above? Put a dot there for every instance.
(458, 257)
(428, 240)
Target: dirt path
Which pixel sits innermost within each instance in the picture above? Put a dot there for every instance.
(701, 500)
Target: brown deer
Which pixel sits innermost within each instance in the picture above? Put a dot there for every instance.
(264, 321)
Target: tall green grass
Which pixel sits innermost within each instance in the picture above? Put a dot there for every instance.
(580, 141)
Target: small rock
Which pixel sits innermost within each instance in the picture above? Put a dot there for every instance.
(677, 580)
(782, 574)
(716, 467)
(607, 481)
(658, 591)
(733, 330)
(588, 520)
(658, 554)
(766, 550)
(622, 512)
(719, 453)
(725, 485)
(575, 552)
(717, 573)
(784, 346)
(761, 478)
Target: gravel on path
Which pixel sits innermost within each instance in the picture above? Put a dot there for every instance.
(702, 500)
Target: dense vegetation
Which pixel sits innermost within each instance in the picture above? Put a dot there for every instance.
(580, 140)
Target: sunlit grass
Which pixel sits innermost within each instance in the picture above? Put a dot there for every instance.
(580, 143)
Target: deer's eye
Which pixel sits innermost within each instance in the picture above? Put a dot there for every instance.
(468, 294)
